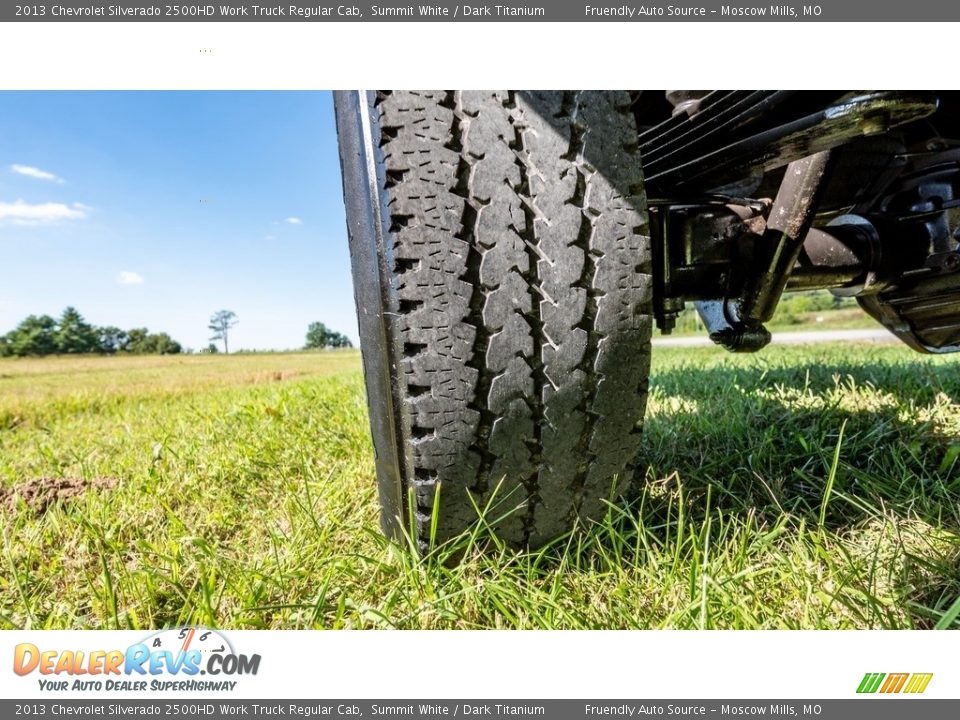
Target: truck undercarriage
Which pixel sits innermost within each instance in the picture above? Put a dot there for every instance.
(755, 193)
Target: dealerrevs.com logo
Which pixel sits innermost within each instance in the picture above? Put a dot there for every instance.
(169, 660)
(893, 683)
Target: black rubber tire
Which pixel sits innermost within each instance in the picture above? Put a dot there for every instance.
(501, 260)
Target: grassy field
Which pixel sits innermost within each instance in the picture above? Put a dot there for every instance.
(800, 488)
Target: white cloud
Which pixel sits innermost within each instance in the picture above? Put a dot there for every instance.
(293, 221)
(126, 277)
(270, 238)
(36, 173)
(23, 213)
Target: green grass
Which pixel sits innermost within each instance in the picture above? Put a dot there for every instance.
(800, 488)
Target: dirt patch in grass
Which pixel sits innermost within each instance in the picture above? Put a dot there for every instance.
(274, 376)
(40, 494)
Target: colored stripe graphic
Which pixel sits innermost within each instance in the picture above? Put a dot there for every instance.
(894, 683)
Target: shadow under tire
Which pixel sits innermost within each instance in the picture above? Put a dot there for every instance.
(501, 262)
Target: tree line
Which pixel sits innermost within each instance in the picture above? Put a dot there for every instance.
(40, 335)
(71, 334)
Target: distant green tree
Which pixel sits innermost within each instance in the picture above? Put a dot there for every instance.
(36, 335)
(137, 341)
(221, 322)
(340, 341)
(112, 339)
(163, 344)
(76, 335)
(319, 336)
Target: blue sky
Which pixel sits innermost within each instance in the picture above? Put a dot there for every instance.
(158, 208)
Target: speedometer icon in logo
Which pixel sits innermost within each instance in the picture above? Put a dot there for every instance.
(191, 650)
(182, 640)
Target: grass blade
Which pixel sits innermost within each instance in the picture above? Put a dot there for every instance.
(831, 478)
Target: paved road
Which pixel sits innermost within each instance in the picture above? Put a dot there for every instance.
(806, 337)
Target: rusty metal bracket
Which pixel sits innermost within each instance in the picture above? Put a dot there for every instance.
(777, 253)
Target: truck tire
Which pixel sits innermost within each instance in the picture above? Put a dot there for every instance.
(501, 263)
